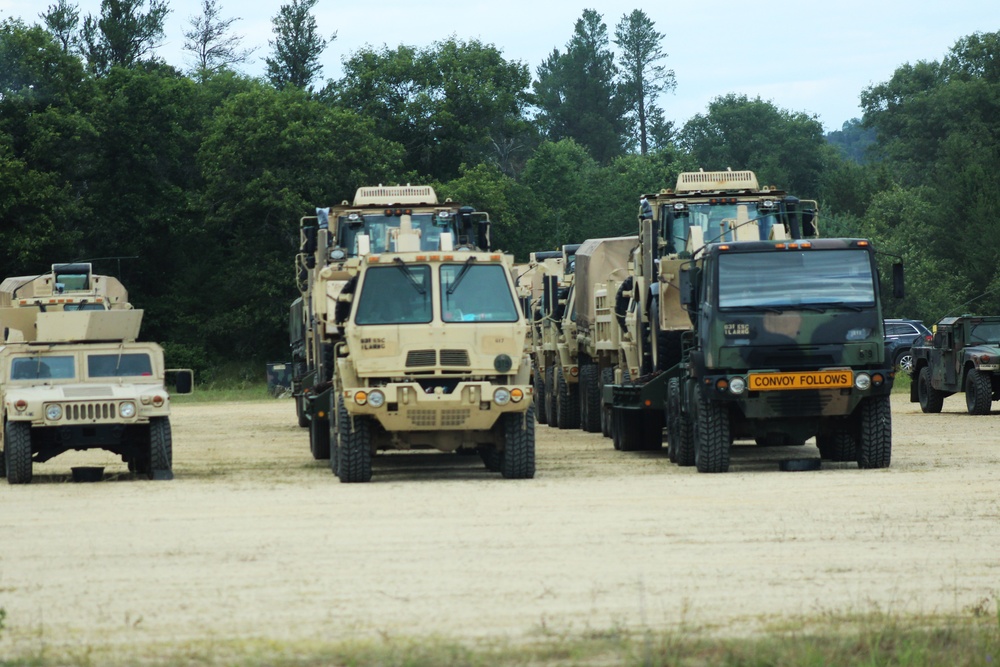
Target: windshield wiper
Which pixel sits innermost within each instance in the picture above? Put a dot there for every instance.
(843, 304)
(401, 265)
(460, 276)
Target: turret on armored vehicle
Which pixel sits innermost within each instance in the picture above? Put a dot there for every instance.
(73, 376)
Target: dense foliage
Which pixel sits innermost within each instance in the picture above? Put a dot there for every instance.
(189, 186)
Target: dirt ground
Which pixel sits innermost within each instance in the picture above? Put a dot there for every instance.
(254, 539)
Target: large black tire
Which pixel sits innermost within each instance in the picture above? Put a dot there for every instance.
(875, 441)
(628, 424)
(3, 464)
(517, 461)
(539, 383)
(319, 438)
(17, 452)
(161, 446)
(567, 402)
(491, 457)
(354, 447)
(931, 400)
(550, 396)
(590, 398)
(651, 436)
(607, 377)
(711, 435)
(300, 412)
(837, 446)
(680, 434)
(614, 417)
(978, 393)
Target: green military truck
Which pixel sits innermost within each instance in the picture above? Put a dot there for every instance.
(787, 344)
(963, 356)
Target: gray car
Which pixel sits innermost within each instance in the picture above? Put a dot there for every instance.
(900, 336)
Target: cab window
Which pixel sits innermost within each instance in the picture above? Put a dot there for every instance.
(43, 368)
(119, 365)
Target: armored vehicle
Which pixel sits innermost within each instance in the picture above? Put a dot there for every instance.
(964, 355)
(787, 344)
(73, 376)
(426, 346)
(329, 241)
(674, 225)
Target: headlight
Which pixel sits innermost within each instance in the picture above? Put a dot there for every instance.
(501, 396)
(337, 254)
(737, 385)
(376, 399)
(859, 334)
(53, 412)
(863, 381)
(127, 409)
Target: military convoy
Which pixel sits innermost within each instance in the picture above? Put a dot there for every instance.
(415, 335)
(964, 355)
(73, 376)
(694, 326)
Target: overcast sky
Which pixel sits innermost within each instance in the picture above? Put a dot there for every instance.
(803, 56)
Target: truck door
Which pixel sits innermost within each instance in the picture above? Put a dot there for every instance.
(949, 360)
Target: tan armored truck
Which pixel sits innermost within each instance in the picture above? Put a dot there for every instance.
(602, 267)
(555, 350)
(73, 377)
(330, 241)
(427, 344)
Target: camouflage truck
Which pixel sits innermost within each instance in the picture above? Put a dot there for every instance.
(964, 355)
(330, 242)
(428, 350)
(73, 376)
(673, 225)
(556, 356)
(601, 269)
(787, 344)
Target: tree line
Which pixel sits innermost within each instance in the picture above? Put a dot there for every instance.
(188, 184)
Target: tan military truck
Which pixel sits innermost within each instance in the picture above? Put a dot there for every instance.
(330, 243)
(555, 351)
(602, 267)
(73, 376)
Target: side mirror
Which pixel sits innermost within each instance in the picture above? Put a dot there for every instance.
(686, 287)
(182, 380)
(897, 280)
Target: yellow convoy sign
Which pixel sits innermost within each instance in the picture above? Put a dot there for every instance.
(811, 380)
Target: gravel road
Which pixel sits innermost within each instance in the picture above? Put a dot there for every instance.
(254, 539)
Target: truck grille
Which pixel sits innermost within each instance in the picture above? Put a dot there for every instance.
(421, 358)
(415, 358)
(89, 412)
(449, 418)
(797, 402)
(454, 358)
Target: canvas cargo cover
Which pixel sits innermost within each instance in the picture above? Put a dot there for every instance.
(596, 259)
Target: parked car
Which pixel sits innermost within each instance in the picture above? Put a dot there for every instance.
(900, 336)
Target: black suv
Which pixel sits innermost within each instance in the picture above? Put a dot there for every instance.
(900, 336)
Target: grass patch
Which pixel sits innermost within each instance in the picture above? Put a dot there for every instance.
(867, 639)
(901, 384)
(217, 393)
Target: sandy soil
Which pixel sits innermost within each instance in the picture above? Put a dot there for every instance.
(254, 539)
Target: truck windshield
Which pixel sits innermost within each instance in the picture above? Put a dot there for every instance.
(986, 332)
(476, 293)
(395, 294)
(118, 365)
(796, 279)
(379, 229)
(43, 368)
(717, 221)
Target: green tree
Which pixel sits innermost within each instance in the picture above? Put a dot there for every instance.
(210, 42)
(452, 103)
(577, 94)
(297, 46)
(783, 148)
(122, 34)
(643, 78)
(62, 20)
(269, 157)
